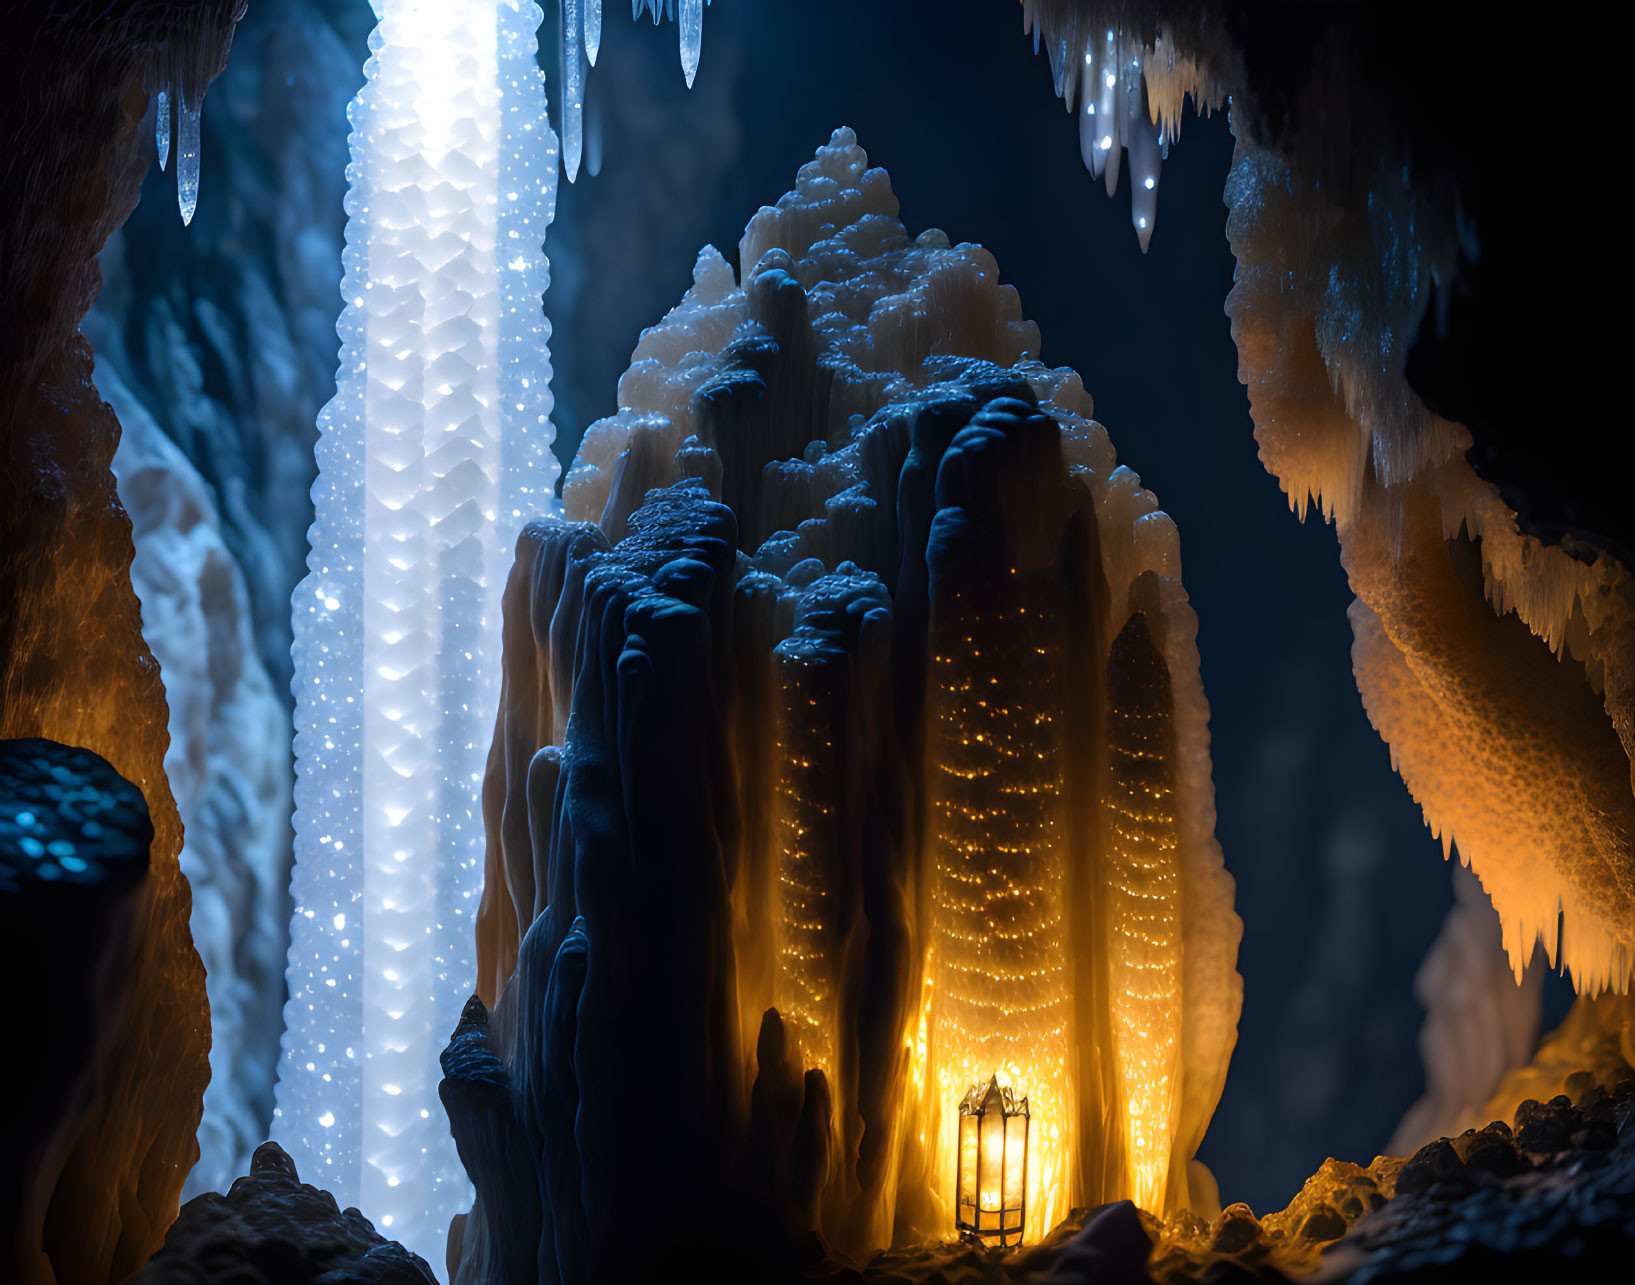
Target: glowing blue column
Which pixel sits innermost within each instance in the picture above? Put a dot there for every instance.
(434, 451)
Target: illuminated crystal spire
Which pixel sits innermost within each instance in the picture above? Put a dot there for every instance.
(432, 454)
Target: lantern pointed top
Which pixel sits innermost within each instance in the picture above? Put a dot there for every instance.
(982, 1098)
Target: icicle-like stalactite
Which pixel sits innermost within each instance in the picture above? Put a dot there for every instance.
(1128, 88)
(573, 88)
(691, 24)
(434, 450)
(177, 91)
(581, 37)
(161, 126)
(857, 764)
(593, 30)
(187, 155)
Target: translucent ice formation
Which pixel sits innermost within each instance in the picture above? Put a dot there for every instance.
(187, 155)
(436, 446)
(1127, 79)
(582, 41)
(161, 126)
(177, 76)
(801, 812)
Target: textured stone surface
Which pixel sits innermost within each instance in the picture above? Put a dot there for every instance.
(74, 840)
(273, 1229)
(73, 666)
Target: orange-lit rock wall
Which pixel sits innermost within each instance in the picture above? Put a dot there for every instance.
(73, 666)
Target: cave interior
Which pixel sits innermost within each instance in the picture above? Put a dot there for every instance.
(598, 683)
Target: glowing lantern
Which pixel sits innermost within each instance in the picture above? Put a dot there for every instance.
(993, 1164)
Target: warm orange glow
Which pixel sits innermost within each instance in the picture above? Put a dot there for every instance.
(1144, 919)
(1002, 999)
(992, 1125)
(804, 990)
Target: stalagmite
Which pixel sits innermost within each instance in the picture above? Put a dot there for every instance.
(1479, 1023)
(803, 741)
(75, 841)
(832, 668)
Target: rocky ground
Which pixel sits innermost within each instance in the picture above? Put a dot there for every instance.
(1551, 1191)
(273, 1229)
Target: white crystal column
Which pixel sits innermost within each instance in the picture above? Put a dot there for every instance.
(434, 451)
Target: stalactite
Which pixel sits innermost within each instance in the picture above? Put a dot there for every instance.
(581, 42)
(1127, 78)
(187, 155)
(691, 27)
(161, 126)
(1529, 666)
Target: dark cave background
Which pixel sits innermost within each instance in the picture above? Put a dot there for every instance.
(1340, 886)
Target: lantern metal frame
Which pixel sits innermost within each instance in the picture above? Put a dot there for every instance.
(975, 1223)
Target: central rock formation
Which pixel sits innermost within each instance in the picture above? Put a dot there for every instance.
(852, 751)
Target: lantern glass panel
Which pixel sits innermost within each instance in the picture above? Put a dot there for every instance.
(1016, 1166)
(967, 1167)
(991, 1179)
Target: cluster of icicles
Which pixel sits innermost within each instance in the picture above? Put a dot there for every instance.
(582, 41)
(1127, 91)
(187, 112)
